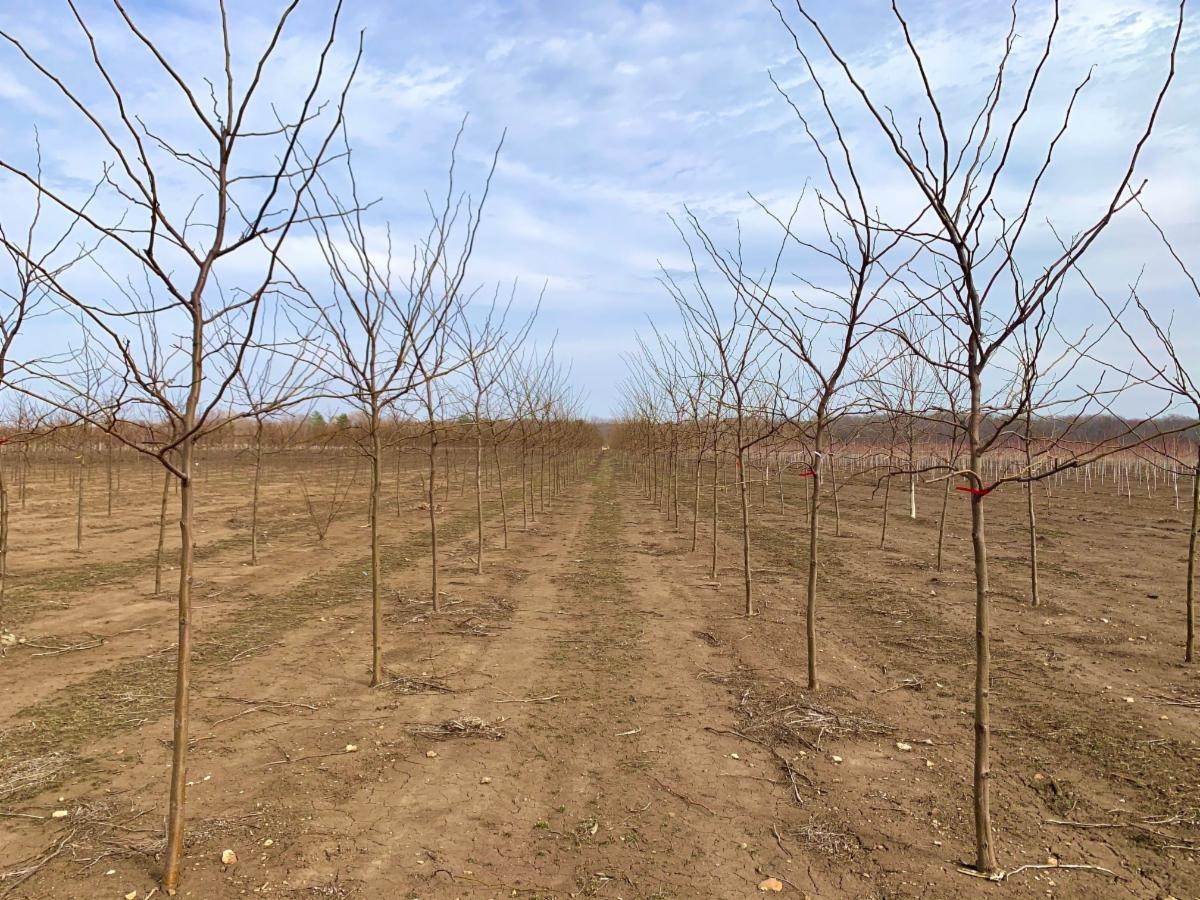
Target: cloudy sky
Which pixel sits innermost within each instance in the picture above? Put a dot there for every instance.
(619, 112)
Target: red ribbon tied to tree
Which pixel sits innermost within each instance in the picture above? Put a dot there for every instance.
(976, 492)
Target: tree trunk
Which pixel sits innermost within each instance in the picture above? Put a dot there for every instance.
(173, 859)
(500, 488)
(887, 491)
(108, 466)
(833, 489)
(524, 485)
(1034, 597)
(542, 480)
(1189, 652)
(814, 522)
(433, 556)
(696, 499)
(715, 503)
(258, 454)
(985, 854)
(745, 492)
(376, 506)
(942, 522)
(162, 534)
(3, 544)
(79, 503)
(675, 485)
(478, 499)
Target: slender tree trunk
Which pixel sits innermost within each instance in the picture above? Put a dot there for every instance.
(814, 528)
(397, 488)
(478, 498)
(985, 851)
(24, 475)
(3, 544)
(375, 509)
(162, 534)
(433, 544)
(745, 492)
(542, 480)
(696, 498)
(500, 488)
(942, 522)
(715, 503)
(173, 859)
(887, 492)
(524, 488)
(258, 456)
(1034, 596)
(675, 485)
(108, 466)
(1189, 652)
(833, 489)
(79, 501)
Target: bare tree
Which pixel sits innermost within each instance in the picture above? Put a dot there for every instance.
(970, 248)
(736, 337)
(1169, 368)
(487, 350)
(161, 316)
(384, 319)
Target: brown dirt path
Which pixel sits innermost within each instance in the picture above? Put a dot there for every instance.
(612, 788)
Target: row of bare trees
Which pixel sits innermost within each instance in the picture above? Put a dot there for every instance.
(227, 270)
(933, 306)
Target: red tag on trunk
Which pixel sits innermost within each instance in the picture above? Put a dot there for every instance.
(978, 492)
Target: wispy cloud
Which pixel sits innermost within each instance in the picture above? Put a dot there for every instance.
(619, 112)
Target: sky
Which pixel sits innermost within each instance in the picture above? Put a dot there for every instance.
(615, 114)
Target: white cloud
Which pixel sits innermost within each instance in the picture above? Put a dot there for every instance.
(618, 113)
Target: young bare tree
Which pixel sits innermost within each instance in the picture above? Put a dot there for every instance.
(971, 235)
(23, 293)
(270, 379)
(483, 343)
(823, 325)
(384, 319)
(163, 317)
(431, 403)
(1169, 368)
(738, 345)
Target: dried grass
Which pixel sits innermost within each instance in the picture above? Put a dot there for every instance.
(463, 727)
(22, 777)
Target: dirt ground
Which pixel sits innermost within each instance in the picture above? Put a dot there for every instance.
(592, 717)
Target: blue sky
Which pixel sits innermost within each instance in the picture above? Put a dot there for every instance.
(618, 113)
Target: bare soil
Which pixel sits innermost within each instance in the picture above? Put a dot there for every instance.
(592, 717)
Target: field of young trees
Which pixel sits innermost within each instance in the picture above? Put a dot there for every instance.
(319, 576)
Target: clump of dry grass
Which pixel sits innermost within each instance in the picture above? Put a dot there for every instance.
(462, 727)
(21, 777)
(823, 838)
(334, 889)
(796, 719)
(409, 684)
(105, 830)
